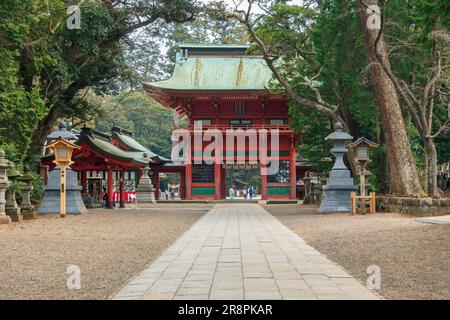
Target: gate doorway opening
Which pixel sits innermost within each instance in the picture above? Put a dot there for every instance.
(171, 178)
(240, 179)
(169, 186)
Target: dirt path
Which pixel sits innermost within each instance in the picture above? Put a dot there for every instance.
(109, 246)
(414, 257)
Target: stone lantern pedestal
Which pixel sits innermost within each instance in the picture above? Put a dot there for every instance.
(4, 165)
(11, 208)
(337, 191)
(28, 210)
(52, 194)
(145, 193)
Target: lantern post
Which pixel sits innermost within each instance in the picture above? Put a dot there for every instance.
(62, 149)
(361, 147)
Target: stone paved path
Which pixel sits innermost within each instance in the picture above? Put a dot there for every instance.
(240, 251)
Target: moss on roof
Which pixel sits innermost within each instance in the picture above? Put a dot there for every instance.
(217, 73)
(111, 150)
(138, 148)
(101, 142)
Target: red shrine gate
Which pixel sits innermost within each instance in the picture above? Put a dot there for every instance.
(220, 87)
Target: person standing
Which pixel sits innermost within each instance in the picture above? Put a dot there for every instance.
(105, 198)
(231, 193)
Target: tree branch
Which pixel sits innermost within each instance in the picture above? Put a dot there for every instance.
(445, 126)
(331, 112)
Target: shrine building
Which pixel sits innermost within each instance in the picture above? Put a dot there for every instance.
(107, 161)
(222, 87)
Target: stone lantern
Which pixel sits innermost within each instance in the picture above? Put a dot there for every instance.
(145, 193)
(12, 209)
(28, 210)
(4, 166)
(336, 193)
(51, 203)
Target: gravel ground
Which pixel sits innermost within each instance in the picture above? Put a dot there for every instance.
(109, 246)
(414, 257)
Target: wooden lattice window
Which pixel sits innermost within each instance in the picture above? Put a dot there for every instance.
(276, 122)
(282, 176)
(202, 173)
(239, 108)
(240, 122)
(203, 122)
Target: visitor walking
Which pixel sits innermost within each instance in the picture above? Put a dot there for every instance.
(250, 192)
(105, 198)
(231, 193)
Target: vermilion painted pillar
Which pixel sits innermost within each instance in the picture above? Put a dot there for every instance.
(188, 181)
(182, 185)
(156, 186)
(122, 188)
(110, 189)
(292, 174)
(83, 181)
(263, 182)
(217, 180)
(224, 187)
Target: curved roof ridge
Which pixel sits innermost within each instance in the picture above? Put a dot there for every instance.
(203, 73)
(138, 147)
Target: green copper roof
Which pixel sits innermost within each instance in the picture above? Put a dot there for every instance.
(129, 141)
(106, 147)
(139, 149)
(210, 73)
(101, 142)
(213, 46)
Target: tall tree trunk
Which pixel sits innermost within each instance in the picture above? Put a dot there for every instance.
(431, 155)
(56, 111)
(42, 131)
(382, 164)
(403, 172)
(426, 169)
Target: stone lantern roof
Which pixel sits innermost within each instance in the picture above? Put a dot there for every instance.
(339, 133)
(62, 133)
(4, 163)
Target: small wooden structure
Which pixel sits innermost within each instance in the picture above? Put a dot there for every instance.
(362, 146)
(370, 197)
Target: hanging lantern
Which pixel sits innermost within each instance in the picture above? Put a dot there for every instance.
(362, 146)
(62, 150)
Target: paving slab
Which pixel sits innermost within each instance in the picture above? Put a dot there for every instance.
(435, 220)
(239, 251)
